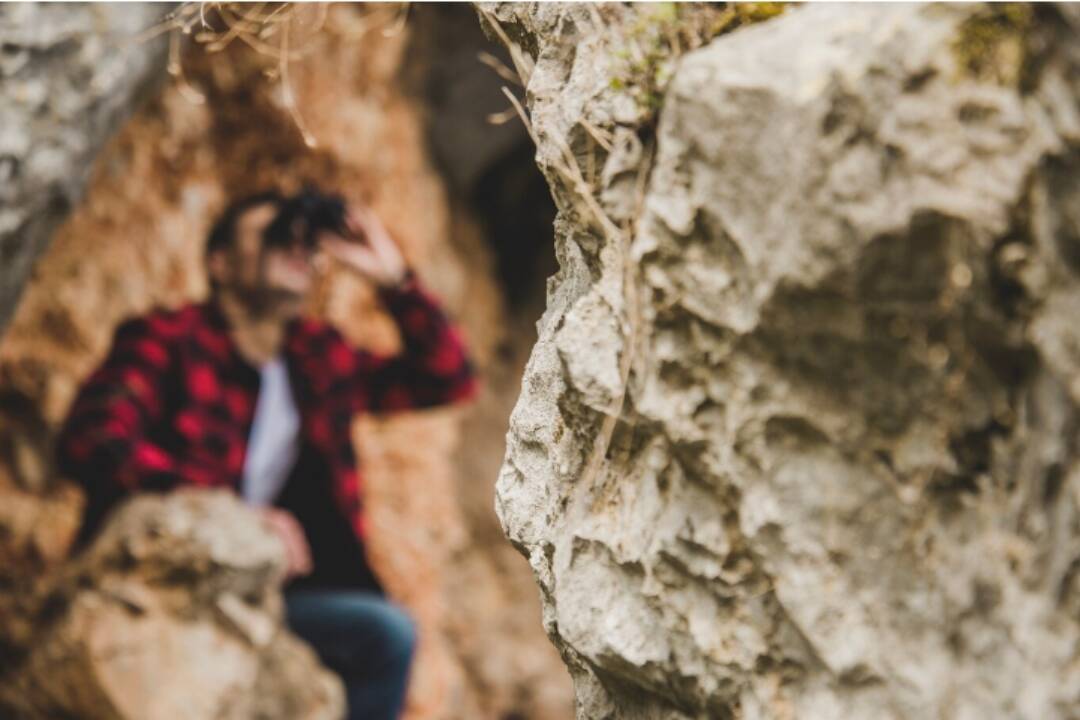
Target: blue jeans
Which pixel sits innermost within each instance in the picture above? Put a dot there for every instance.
(362, 637)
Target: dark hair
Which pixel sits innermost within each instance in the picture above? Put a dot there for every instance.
(223, 232)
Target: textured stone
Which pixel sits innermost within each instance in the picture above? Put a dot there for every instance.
(143, 625)
(799, 436)
(69, 74)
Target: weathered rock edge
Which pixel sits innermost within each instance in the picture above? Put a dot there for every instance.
(799, 436)
(69, 75)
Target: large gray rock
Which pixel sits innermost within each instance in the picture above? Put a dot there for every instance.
(800, 436)
(69, 74)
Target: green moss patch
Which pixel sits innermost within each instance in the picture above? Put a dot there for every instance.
(663, 32)
(993, 45)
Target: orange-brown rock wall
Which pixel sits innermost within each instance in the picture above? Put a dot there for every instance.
(136, 242)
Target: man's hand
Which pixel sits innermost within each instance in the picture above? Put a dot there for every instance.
(288, 529)
(377, 257)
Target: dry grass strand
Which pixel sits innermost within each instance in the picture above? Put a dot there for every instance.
(283, 32)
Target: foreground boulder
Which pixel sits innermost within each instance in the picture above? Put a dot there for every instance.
(800, 437)
(173, 612)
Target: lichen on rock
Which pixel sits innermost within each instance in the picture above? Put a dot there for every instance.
(799, 436)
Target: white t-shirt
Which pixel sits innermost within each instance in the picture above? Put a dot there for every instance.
(274, 443)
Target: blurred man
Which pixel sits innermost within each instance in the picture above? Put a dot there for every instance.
(242, 392)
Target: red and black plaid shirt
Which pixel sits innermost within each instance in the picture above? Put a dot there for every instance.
(173, 402)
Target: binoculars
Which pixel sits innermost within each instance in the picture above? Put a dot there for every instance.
(303, 216)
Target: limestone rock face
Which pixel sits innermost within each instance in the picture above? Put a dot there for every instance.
(799, 438)
(68, 75)
(172, 612)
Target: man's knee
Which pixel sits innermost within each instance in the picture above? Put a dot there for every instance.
(399, 633)
(382, 632)
(354, 630)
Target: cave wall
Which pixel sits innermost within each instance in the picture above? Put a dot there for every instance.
(799, 438)
(135, 241)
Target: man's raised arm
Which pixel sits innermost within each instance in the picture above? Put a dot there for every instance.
(433, 368)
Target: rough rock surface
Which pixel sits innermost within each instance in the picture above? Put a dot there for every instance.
(126, 630)
(69, 74)
(136, 241)
(799, 438)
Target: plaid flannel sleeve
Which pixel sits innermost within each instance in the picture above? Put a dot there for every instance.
(433, 368)
(102, 442)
